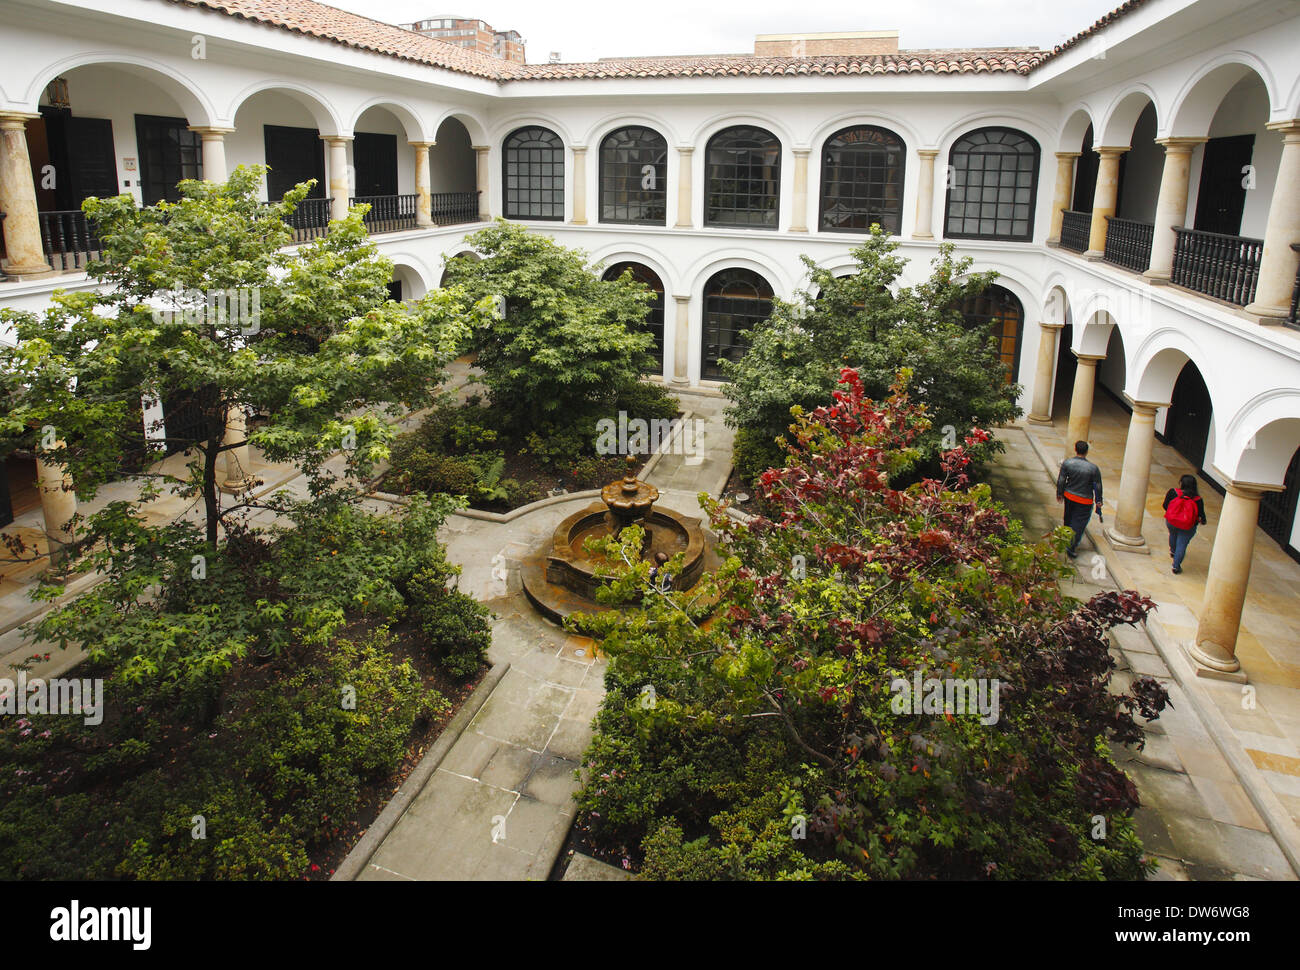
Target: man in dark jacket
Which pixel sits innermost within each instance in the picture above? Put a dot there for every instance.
(1079, 487)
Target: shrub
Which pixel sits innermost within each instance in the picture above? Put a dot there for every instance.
(456, 625)
(754, 452)
(648, 400)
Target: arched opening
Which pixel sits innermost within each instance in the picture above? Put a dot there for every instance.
(406, 284)
(735, 300)
(1189, 417)
(453, 175)
(654, 321)
(993, 185)
(862, 180)
(1000, 311)
(1234, 172)
(1277, 510)
(383, 169)
(634, 177)
(533, 168)
(743, 170)
(446, 270)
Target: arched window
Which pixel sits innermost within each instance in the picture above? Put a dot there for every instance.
(992, 183)
(744, 178)
(998, 310)
(654, 321)
(862, 180)
(634, 177)
(534, 174)
(734, 300)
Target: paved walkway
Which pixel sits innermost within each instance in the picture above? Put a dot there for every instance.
(1200, 813)
(500, 803)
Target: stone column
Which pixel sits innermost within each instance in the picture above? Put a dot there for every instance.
(483, 181)
(1040, 412)
(214, 151)
(682, 340)
(58, 505)
(1103, 199)
(22, 225)
(423, 197)
(1064, 194)
(1127, 528)
(1215, 649)
(1277, 264)
(799, 205)
(685, 156)
(924, 228)
(579, 185)
(239, 466)
(1171, 206)
(1085, 382)
(340, 191)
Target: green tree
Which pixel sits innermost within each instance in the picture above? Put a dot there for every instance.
(857, 320)
(201, 303)
(567, 342)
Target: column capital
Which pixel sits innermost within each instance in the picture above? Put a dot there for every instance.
(1253, 491)
(578, 148)
(16, 119)
(481, 148)
(685, 149)
(682, 299)
(927, 152)
(1288, 127)
(422, 144)
(1089, 360)
(1066, 155)
(1181, 144)
(1147, 408)
(1048, 325)
(1111, 149)
(334, 139)
(801, 150)
(211, 131)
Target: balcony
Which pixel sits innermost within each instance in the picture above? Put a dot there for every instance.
(1223, 267)
(1128, 244)
(1075, 229)
(68, 239)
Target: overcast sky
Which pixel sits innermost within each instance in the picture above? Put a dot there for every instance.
(586, 29)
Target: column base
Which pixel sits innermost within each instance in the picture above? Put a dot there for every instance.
(680, 381)
(32, 271)
(425, 225)
(1214, 668)
(1268, 315)
(798, 229)
(1156, 277)
(683, 225)
(1054, 243)
(1123, 543)
(1039, 419)
(922, 235)
(1093, 255)
(235, 487)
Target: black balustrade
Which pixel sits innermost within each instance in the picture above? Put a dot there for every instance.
(1075, 229)
(1128, 244)
(68, 239)
(1221, 266)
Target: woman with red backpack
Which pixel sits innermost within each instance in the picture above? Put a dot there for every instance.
(1184, 511)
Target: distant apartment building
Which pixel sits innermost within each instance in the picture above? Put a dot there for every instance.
(472, 34)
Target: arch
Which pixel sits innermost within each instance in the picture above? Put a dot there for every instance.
(1093, 336)
(1199, 98)
(993, 185)
(1257, 445)
(412, 274)
(625, 119)
(903, 128)
(1118, 120)
(477, 131)
(326, 118)
(735, 299)
(742, 178)
(404, 113)
(1003, 313)
(1037, 130)
(863, 172)
(1056, 304)
(733, 119)
(463, 251)
(1077, 122)
(760, 263)
(534, 119)
(1158, 360)
(199, 110)
(621, 252)
(627, 192)
(532, 174)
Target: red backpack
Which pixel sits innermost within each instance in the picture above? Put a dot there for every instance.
(1182, 512)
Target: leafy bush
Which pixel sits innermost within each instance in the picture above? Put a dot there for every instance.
(754, 452)
(774, 746)
(457, 626)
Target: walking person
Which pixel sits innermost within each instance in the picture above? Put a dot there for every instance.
(1079, 486)
(1184, 511)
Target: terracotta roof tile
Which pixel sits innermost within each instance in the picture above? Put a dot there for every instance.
(341, 27)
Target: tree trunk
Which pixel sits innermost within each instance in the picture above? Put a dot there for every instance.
(210, 489)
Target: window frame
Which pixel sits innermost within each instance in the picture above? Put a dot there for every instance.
(509, 205)
(709, 369)
(895, 229)
(657, 316)
(1000, 302)
(1036, 164)
(627, 177)
(711, 221)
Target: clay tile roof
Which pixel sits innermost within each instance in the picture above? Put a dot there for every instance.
(354, 30)
(341, 27)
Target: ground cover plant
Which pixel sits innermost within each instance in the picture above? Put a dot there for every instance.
(774, 736)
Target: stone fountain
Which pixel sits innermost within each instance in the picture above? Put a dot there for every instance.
(560, 578)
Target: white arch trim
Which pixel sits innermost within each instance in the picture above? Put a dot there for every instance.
(1122, 114)
(192, 98)
(326, 117)
(1187, 120)
(621, 252)
(409, 118)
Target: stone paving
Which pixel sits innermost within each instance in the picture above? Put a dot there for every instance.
(1198, 816)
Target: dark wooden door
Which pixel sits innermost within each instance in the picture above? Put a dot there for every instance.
(1188, 425)
(1221, 198)
(92, 160)
(1277, 509)
(294, 155)
(169, 153)
(375, 159)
